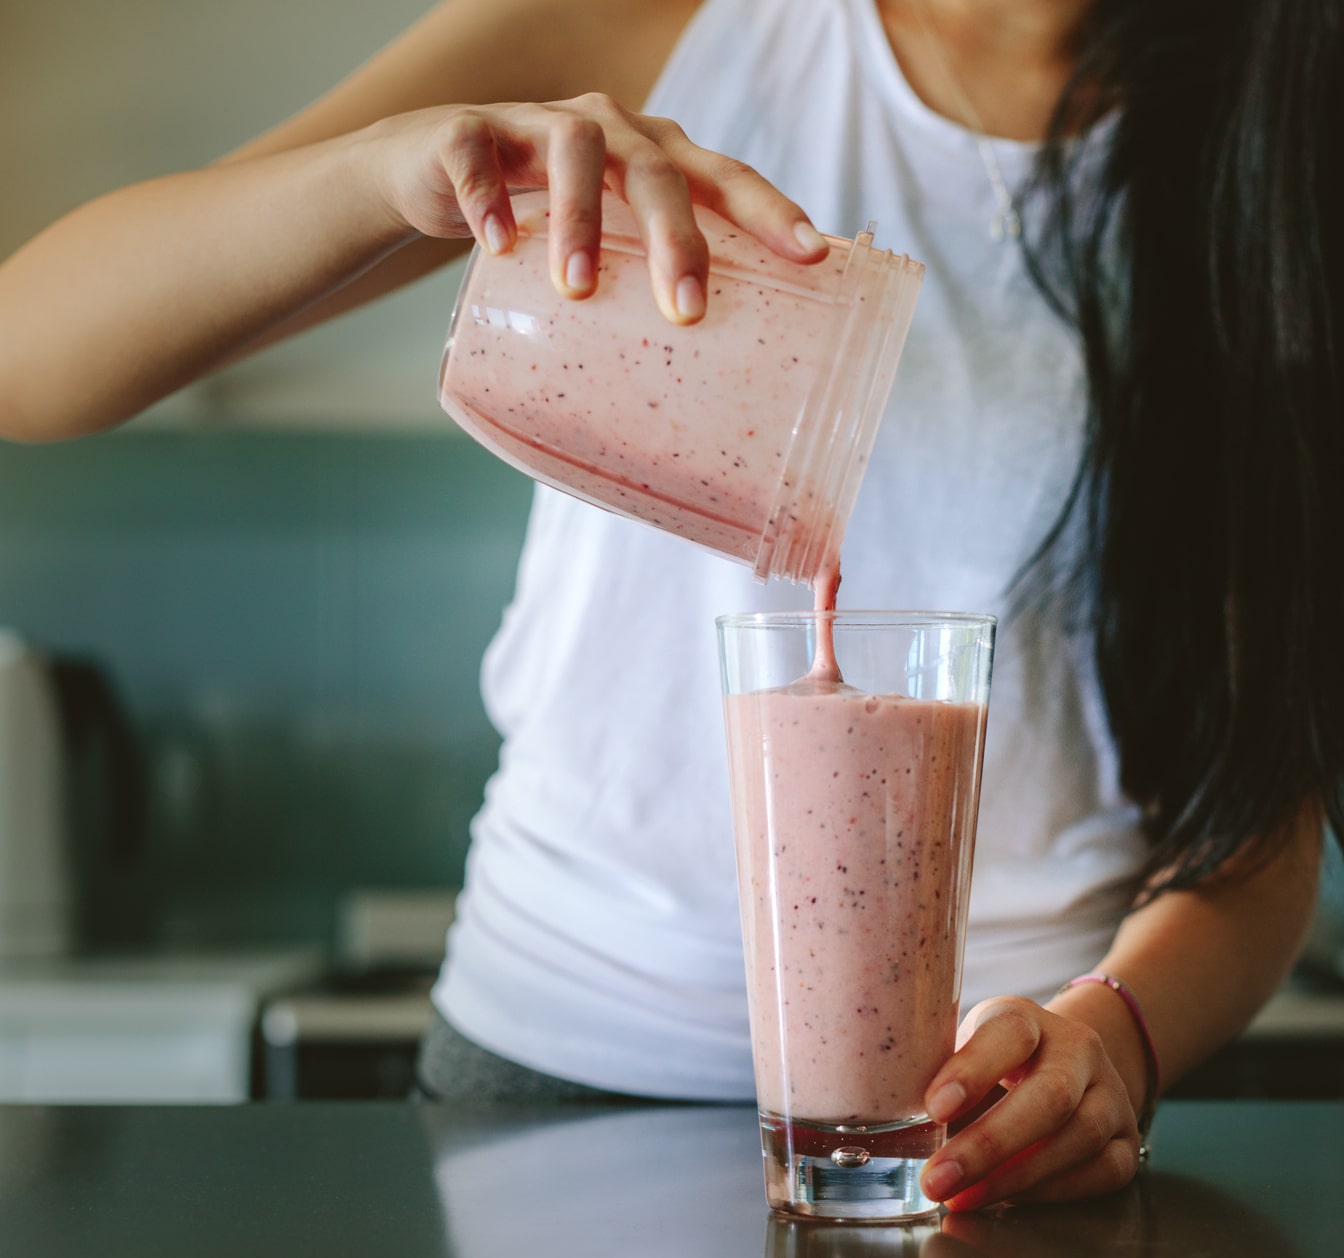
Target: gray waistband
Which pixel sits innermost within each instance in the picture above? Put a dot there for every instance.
(453, 1068)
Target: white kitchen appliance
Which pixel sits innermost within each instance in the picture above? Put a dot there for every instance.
(140, 1028)
(36, 887)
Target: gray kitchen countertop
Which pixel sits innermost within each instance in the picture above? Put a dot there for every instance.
(1227, 1178)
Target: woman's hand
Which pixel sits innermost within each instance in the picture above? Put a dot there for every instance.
(1064, 1126)
(207, 265)
(448, 173)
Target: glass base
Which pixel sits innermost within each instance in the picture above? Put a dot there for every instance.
(787, 1236)
(850, 1172)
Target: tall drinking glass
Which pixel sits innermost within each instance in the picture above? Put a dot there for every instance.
(854, 810)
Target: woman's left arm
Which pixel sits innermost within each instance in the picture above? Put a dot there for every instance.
(1200, 962)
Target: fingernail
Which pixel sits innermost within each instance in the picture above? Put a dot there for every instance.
(942, 1180)
(579, 271)
(944, 1103)
(690, 297)
(809, 238)
(496, 238)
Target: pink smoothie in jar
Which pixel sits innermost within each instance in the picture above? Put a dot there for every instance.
(747, 433)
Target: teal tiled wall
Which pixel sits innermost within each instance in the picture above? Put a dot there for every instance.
(296, 623)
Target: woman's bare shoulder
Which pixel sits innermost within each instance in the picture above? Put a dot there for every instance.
(481, 51)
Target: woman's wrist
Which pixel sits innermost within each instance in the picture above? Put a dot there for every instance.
(370, 166)
(1152, 1068)
(1114, 1013)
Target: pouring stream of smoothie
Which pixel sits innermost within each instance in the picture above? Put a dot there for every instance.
(825, 671)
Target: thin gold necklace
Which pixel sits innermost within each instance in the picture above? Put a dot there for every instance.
(1007, 222)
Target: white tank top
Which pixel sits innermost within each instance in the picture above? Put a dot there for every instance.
(598, 935)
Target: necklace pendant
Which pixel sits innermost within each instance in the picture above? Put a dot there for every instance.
(1006, 224)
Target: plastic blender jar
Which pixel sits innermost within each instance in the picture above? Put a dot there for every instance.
(747, 433)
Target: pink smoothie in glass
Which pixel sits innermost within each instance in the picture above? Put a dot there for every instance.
(852, 843)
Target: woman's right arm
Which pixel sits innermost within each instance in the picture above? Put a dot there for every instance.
(143, 290)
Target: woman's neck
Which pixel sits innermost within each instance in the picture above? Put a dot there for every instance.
(993, 65)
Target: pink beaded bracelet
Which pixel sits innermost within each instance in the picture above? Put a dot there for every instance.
(1149, 1049)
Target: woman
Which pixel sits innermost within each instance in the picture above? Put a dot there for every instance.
(1117, 431)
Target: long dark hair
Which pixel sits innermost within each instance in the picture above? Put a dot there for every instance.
(1211, 491)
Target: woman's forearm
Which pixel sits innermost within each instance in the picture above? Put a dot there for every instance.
(137, 293)
(1203, 962)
